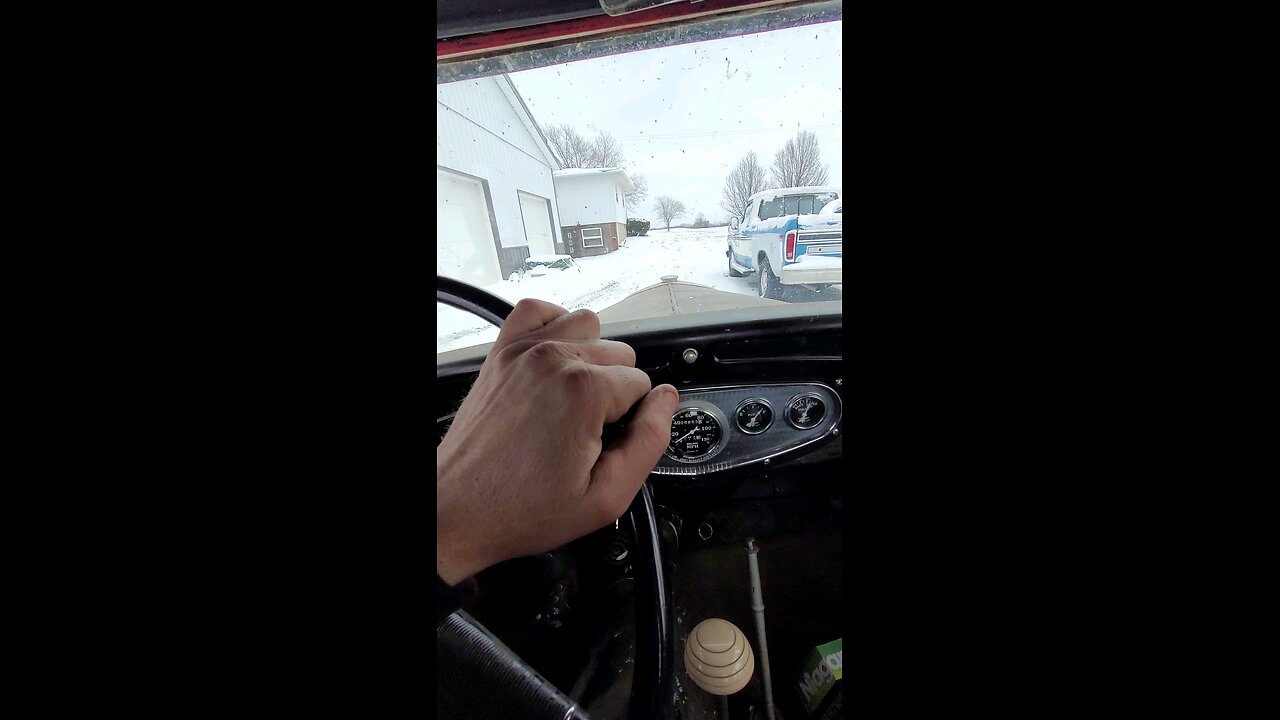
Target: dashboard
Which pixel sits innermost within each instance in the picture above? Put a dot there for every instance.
(759, 387)
(722, 428)
(756, 450)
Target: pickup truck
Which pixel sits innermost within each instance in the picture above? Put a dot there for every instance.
(789, 236)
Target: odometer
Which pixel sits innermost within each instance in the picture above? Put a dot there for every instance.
(695, 433)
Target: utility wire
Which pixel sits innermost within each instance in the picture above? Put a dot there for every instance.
(723, 132)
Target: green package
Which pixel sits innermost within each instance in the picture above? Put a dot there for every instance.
(822, 671)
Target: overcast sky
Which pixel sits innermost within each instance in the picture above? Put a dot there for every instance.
(685, 115)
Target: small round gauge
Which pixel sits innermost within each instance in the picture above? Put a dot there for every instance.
(806, 411)
(754, 416)
(694, 434)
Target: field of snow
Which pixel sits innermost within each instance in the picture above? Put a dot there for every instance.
(692, 255)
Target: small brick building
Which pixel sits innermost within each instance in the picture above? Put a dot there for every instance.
(593, 217)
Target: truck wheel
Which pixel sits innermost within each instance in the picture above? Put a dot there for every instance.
(732, 272)
(768, 285)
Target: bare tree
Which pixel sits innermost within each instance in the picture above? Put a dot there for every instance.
(746, 180)
(574, 150)
(668, 209)
(605, 151)
(636, 195)
(799, 163)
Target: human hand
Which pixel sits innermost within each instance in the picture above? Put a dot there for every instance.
(521, 469)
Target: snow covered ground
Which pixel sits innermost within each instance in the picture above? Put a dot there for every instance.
(692, 255)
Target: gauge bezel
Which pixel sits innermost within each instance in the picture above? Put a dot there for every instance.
(773, 415)
(718, 415)
(815, 396)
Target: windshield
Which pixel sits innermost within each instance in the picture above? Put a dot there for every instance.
(586, 182)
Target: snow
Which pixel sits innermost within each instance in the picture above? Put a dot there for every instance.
(584, 171)
(807, 222)
(832, 207)
(548, 258)
(776, 223)
(777, 192)
(693, 255)
(621, 175)
(821, 221)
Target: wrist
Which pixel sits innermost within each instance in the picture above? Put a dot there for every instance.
(457, 555)
(452, 565)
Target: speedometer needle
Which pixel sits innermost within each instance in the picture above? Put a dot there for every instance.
(682, 437)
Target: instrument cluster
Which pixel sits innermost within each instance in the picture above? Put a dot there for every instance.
(715, 429)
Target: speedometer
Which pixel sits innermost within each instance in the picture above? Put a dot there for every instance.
(695, 433)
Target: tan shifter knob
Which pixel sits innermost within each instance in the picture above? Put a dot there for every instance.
(718, 657)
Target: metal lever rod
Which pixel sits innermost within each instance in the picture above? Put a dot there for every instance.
(757, 608)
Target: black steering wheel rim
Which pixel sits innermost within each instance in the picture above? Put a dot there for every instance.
(652, 690)
(472, 299)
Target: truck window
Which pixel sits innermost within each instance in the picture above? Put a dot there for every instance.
(770, 208)
(791, 204)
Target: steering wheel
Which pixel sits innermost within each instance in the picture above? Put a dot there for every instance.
(652, 690)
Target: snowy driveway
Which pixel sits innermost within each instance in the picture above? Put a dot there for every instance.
(693, 255)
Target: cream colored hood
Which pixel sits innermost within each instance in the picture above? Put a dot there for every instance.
(673, 297)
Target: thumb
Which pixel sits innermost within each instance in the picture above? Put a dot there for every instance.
(621, 469)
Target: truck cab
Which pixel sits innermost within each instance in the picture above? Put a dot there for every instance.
(789, 236)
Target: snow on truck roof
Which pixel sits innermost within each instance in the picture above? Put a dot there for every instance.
(778, 192)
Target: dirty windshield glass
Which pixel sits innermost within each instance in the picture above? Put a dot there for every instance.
(585, 183)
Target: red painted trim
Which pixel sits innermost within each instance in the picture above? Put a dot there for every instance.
(467, 45)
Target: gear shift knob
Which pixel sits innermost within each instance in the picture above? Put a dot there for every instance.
(718, 657)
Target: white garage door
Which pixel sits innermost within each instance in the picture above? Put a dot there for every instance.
(464, 235)
(537, 225)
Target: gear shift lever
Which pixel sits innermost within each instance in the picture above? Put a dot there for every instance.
(719, 659)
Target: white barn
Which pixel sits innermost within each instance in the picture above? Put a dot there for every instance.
(495, 195)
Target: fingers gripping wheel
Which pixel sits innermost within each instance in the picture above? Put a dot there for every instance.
(496, 310)
(652, 691)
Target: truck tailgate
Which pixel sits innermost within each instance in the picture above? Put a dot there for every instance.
(823, 243)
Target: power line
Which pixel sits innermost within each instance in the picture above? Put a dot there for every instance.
(725, 132)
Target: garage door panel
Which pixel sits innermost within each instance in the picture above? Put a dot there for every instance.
(537, 225)
(464, 235)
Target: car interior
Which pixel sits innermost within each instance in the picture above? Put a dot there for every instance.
(604, 627)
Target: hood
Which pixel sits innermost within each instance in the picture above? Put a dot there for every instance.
(672, 297)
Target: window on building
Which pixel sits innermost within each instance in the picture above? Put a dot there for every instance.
(592, 237)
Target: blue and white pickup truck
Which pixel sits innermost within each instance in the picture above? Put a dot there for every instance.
(789, 236)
